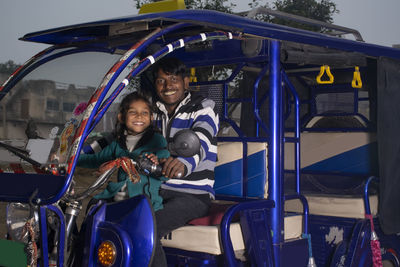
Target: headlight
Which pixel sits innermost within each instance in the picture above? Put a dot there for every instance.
(17, 216)
(106, 253)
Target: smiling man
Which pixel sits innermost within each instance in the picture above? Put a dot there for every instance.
(188, 191)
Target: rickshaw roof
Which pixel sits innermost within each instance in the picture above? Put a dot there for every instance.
(100, 30)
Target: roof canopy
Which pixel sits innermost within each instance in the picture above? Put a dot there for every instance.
(201, 20)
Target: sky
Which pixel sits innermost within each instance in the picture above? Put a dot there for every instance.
(377, 21)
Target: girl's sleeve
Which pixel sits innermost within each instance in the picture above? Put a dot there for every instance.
(95, 160)
(162, 153)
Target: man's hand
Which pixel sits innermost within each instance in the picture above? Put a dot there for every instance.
(172, 168)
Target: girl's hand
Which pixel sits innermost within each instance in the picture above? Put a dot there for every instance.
(153, 158)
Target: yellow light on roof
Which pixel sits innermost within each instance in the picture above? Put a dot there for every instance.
(162, 6)
(106, 253)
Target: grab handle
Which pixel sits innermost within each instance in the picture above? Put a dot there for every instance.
(323, 69)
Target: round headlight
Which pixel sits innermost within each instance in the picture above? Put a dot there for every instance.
(106, 253)
(17, 216)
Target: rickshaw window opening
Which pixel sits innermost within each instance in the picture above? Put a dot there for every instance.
(40, 59)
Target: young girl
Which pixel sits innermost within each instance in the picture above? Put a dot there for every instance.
(135, 137)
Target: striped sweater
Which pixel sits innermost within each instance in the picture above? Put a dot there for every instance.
(197, 114)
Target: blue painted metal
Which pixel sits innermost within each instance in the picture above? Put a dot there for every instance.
(330, 238)
(178, 257)
(275, 151)
(48, 184)
(135, 216)
(43, 241)
(91, 31)
(305, 209)
(296, 139)
(245, 178)
(107, 231)
(131, 226)
(338, 241)
(225, 223)
(294, 253)
(359, 250)
(257, 236)
(366, 193)
(92, 220)
(256, 104)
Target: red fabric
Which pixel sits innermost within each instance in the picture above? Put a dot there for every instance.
(38, 170)
(214, 216)
(17, 168)
(376, 253)
(375, 244)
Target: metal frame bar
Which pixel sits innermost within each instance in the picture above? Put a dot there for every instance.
(226, 221)
(279, 14)
(296, 139)
(275, 150)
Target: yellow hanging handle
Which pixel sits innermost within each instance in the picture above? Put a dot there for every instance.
(356, 82)
(193, 78)
(327, 69)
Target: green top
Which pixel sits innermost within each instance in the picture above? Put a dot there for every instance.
(153, 143)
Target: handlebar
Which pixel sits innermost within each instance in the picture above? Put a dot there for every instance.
(103, 178)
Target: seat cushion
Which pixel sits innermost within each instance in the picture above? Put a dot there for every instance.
(215, 214)
(338, 206)
(205, 239)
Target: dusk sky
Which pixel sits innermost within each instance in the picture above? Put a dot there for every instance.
(377, 21)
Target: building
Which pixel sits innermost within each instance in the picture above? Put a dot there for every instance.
(44, 102)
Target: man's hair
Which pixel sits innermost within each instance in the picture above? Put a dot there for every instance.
(171, 66)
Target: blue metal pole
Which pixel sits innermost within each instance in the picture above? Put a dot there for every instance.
(43, 230)
(297, 165)
(275, 149)
(366, 194)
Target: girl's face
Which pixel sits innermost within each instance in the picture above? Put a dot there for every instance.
(138, 117)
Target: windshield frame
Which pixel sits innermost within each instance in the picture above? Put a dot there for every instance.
(38, 189)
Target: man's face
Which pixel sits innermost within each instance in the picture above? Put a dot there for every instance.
(171, 89)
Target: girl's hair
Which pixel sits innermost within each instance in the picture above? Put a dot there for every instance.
(120, 128)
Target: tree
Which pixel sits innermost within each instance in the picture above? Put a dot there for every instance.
(322, 10)
(8, 67)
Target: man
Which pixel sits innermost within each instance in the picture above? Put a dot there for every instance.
(188, 191)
